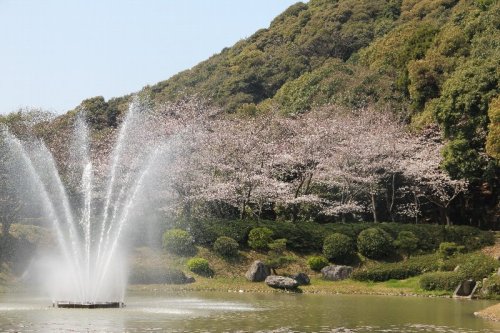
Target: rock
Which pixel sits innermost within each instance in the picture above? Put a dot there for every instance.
(281, 282)
(301, 278)
(257, 272)
(336, 272)
(498, 272)
(189, 279)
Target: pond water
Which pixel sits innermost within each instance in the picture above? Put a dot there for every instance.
(245, 312)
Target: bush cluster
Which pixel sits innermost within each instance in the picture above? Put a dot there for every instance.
(398, 270)
(477, 266)
(440, 281)
(406, 242)
(338, 248)
(259, 238)
(178, 242)
(316, 263)
(375, 243)
(448, 249)
(226, 247)
(309, 236)
(141, 274)
(199, 266)
(491, 287)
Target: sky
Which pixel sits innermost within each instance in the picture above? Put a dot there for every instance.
(55, 53)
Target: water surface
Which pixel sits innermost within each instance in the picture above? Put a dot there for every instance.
(245, 312)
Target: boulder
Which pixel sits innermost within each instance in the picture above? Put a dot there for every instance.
(336, 272)
(301, 278)
(190, 279)
(281, 282)
(257, 272)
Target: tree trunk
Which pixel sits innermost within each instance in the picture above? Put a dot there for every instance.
(374, 207)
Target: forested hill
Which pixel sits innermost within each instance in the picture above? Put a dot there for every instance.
(430, 61)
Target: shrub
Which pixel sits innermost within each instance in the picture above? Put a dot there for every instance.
(398, 270)
(448, 249)
(142, 274)
(276, 259)
(226, 247)
(179, 242)
(477, 266)
(440, 281)
(406, 243)
(374, 243)
(316, 263)
(491, 287)
(338, 247)
(259, 238)
(199, 266)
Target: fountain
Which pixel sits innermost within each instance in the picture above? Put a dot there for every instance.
(88, 268)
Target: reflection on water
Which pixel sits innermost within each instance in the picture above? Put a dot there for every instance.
(218, 312)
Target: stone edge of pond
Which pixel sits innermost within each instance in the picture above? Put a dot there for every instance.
(490, 313)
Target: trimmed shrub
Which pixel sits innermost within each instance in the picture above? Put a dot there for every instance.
(338, 247)
(399, 270)
(199, 266)
(142, 274)
(316, 263)
(440, 281)
(178, 242)
(477, 266)
(259, 238)
(406, 243)
(448, 249)
(375, 243)
(491, 287)
(226, 247)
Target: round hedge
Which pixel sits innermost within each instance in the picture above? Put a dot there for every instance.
(179, 242)
(259, 238)
(226, 247)
(374, 243)
(199, 266)
(338, 247)
(316, 263)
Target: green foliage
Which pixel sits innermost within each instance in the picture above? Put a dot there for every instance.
(179, 242)
(259, 238)
(374, 243)
(478, 266)
(493, 138)
(143, 274)
(406, 242)
(440, 281)
(491, 287)
(338, 248)
(200, 266)
(399, 270)
(448, 249)
(98, 113)
(206, 231)
(276, 258)
(316, 263)
(226, 247)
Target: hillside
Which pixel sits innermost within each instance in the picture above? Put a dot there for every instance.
(429, 62)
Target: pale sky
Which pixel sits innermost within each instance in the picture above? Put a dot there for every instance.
(55, 53)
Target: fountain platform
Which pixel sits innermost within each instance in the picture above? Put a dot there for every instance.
(88, 305)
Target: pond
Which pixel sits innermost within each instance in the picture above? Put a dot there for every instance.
(246, 312)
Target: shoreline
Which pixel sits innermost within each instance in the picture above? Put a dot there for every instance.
(405, 288)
